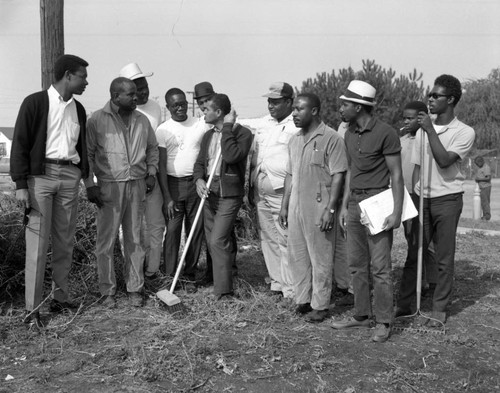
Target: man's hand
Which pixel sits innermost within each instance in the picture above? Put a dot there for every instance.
(23, 196)
(168, 209)
(391, 222)
(231, 117)
(283, 218)
(425, 121)
(150, 183)
(201, 188)
(343, 220)
(94, 195)
(326, 221)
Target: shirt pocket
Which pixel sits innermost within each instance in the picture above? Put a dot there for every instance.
(284, 138)
(318, 157)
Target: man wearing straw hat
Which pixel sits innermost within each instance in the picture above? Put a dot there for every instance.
(225, 195)
(373, 152)
(154, 225)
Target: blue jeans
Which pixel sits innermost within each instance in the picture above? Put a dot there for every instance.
(363, 248)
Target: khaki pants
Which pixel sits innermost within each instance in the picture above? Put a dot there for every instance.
(273, 238)
(123, 203)
(54, 198)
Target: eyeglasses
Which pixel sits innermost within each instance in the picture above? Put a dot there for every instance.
(435, 96)
(178, 105)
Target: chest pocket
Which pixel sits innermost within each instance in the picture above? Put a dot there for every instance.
(284, 138)
(318, 157)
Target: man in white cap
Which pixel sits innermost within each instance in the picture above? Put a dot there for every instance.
(374, 156)
(315, 175)
(267, 177)
(154, 221)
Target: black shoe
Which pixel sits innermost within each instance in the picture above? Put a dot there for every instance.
(205, 281)
(316, 316)
(33, 318)
(303, 308)
(58, 307)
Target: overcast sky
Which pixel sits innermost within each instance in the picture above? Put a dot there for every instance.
(242, 46)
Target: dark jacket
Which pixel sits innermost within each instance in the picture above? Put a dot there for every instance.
(27, 156)
(235, 145)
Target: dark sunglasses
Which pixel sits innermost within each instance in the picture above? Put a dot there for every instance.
(435, 96)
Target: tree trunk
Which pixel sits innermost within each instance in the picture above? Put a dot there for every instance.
(52, 37)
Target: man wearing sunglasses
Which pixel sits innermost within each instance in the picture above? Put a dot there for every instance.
(447, 142)
(48, 159)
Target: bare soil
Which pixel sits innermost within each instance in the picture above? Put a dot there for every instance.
(251, 344)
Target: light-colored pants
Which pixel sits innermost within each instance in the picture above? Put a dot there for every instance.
(311, 256)
(273, 238)
(54, 199)
(123, 203)
(154, 228)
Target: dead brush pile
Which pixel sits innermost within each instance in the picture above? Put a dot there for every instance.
(83, 276)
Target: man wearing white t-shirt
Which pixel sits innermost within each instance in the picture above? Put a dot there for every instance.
(179, 143)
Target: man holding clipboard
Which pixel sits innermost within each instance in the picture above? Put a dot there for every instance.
(374, 162)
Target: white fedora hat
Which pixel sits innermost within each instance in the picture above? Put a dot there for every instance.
(132, 71)
(360, 92)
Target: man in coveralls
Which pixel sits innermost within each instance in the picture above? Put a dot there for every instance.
(314, 179)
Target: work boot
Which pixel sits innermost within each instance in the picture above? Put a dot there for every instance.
(109, 301)
(135, 299)
(303, 308)
(381, 333)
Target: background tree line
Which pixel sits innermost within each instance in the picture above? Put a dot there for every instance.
(479, 106)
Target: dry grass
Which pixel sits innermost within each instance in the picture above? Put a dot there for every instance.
(250, 343)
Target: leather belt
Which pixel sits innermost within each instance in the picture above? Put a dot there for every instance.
(367, 190)
(58, 162)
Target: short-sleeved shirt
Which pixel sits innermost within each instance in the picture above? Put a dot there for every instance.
(182, 141)
(366, 151)
(456, 137)
(313, 160)
(407, 142)
(270, 154)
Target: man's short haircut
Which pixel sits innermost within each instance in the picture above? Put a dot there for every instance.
(118, 83)
(69, 63)
(221, 101)
(452, 85)
(418, 106)
(313, 100)
(172, 92)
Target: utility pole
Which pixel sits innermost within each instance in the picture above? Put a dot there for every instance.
(52, 37)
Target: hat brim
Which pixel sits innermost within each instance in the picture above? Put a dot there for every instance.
(357, 100)
(141, 75)
(275, 96)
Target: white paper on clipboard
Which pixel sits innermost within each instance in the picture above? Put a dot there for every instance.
(376, 208)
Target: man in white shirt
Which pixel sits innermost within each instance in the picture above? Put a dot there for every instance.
(267, 176)
(154, 223)
(48, 159)
(179, 144)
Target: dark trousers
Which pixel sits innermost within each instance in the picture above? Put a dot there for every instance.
(485, 194)
(219, 218)
(183, 192)
(441, 217)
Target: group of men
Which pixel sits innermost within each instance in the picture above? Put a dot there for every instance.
(306, 181)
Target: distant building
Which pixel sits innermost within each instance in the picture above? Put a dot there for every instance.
(6, 134)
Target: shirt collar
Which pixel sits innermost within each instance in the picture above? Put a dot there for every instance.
(55, 96)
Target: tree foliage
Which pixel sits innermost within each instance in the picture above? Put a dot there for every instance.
(480, 108)
(393, 92)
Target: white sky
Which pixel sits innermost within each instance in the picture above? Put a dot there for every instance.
(242, 46)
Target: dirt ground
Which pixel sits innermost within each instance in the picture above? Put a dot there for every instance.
(251, 344)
